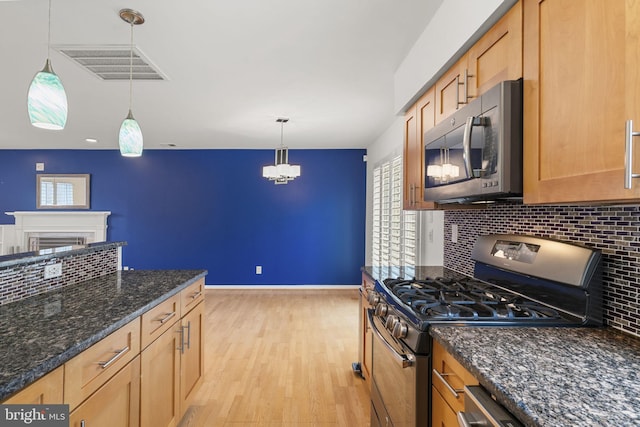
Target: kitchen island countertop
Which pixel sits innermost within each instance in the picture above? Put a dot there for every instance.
(553, 377)
(42, 332)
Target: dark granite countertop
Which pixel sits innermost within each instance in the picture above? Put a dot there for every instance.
(553, 377)
(40, 333)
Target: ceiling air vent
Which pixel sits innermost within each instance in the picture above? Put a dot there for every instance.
(112, 62)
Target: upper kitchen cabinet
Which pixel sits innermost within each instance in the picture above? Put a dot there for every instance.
(451, 90)
(497, 56)
(418, 120)
(581, 86)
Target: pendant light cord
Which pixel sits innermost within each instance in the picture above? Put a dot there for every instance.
(130, 71)
(49, 33)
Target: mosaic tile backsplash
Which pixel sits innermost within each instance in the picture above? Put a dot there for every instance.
(615, 230)
(25, 280)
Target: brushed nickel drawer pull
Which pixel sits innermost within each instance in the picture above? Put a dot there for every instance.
(118, 355)
(447, 385)
(167, 317)
(196, 295)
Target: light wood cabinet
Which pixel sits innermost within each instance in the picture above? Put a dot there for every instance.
(160, 383)
(46, 390)
(116, 403)
(173, 364)
(89, 370)
(419, 119)
(450, 90)
(448, 379)
(366, 334)
(191, 296)
(581, 80)
(159, 319)
(192, 357)
(497, 56)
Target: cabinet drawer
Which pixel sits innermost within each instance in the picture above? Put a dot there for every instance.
(159, 319)
(116, 403)
(47, 390)
(89, 370)
(191, 296)
(449, 377)
(441, 413)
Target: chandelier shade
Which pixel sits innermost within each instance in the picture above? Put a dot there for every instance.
(130, 137)
(46, 99)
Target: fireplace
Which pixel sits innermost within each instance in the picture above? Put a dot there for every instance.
(36, 230)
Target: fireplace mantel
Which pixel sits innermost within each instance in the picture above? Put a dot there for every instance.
(90, 224)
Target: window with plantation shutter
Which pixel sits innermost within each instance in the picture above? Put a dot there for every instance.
(394, 230)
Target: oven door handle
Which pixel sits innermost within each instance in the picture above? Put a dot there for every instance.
(403, 360)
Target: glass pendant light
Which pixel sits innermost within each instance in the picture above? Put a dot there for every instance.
(130, 137)
(47, 100)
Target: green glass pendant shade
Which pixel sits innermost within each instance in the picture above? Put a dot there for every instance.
(47, 100)
(130, 138)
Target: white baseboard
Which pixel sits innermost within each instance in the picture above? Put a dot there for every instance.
(298, 287)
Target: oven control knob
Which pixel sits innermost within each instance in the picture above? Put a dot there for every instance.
(399, 329)
(391, 322)
(382, 310)
(374, 299)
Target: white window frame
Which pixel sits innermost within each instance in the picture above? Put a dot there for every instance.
(395, 231)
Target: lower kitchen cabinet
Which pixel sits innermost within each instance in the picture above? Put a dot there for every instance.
(366, 335)
(441, 413)
(192, 356)
(160, 380)
(172, 370)
(447, 394)
(47, 390)
(116, 403)
(89, 370)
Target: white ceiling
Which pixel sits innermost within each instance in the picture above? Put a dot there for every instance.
(233, 67)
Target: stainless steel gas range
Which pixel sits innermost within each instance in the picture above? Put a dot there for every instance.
(518, 281)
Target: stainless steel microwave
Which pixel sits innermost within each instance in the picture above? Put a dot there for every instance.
(476, 154)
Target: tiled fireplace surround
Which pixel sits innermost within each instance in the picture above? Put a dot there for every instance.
(615, 230)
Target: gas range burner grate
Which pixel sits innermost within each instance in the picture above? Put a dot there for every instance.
(469, 299)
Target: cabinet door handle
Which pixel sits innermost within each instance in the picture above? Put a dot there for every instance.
(412, 196)
(628, 158)
(167, 317)
(82, 423)
(196, 295)
(453, 391)
(181, 347)
(188, 334)
(465, 85)
(118, 355)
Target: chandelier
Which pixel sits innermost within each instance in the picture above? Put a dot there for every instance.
(281, 172)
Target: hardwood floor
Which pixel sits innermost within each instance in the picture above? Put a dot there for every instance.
(280, 358)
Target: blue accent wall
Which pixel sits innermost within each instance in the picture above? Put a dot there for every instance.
(212, 209)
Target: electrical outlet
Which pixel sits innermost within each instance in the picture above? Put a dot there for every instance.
(454, 233)
(53, 270)
(258, 269)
